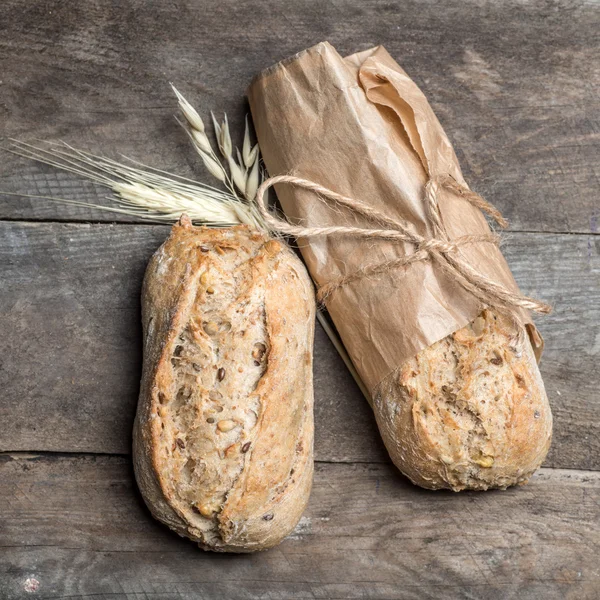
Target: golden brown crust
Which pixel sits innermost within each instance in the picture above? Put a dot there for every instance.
(223, 437)
(468, 412)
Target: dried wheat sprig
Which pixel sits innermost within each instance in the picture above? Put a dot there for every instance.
(107, 165)
(147, 193)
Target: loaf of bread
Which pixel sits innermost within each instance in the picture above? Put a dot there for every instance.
(223, 437)
(468, 412)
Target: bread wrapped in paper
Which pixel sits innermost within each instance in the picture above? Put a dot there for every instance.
(453, 382)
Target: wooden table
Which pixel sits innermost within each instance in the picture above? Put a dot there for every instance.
(515, 84)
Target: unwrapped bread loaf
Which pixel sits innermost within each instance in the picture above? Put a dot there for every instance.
(468, 412)
(223, 437)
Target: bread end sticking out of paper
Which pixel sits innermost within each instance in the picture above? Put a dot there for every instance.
(468, 412)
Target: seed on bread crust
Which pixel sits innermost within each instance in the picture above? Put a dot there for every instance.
(226, 425)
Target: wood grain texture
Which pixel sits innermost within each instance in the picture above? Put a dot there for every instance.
(515, 84)
(71, 363)
(78, 527)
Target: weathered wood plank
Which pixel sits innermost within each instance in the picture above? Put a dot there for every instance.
(69, 316)
(516, 86)
(77, 526)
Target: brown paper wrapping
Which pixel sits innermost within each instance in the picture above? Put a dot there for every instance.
(361, 127)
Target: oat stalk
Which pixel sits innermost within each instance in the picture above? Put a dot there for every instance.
(241, 171)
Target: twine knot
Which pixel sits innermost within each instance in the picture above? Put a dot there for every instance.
(439, 248)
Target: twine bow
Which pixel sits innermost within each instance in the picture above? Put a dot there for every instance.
(440, 248)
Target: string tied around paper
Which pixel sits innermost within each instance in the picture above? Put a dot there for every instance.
(439, 248)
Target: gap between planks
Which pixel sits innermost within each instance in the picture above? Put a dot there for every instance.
(50, 455)
(72, 221)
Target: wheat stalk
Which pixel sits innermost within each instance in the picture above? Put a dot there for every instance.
(153, 194)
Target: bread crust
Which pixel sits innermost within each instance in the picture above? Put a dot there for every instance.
(468, 412)
(223, 435)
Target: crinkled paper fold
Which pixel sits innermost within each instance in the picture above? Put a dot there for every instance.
(361, 127)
